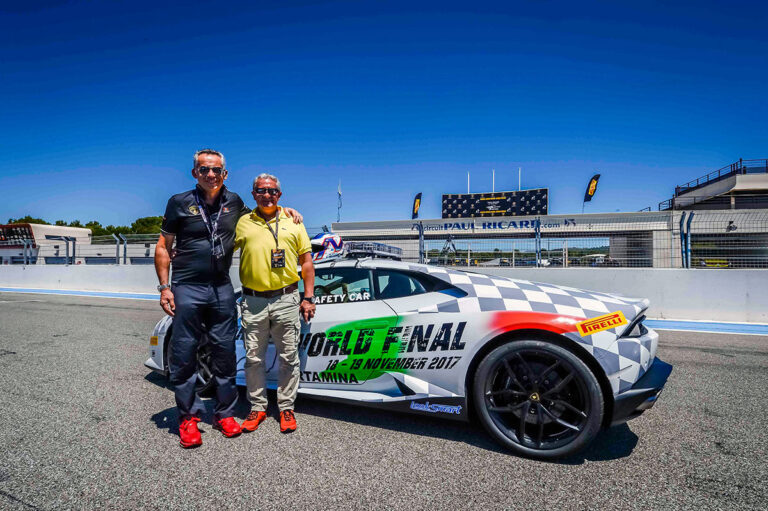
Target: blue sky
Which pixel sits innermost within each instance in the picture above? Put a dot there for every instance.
(105, 102)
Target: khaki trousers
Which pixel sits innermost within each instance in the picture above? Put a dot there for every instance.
(277, 318)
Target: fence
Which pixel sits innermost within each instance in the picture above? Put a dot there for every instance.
(112, 249)
(668, 239)
(700, 239)
(623, 240)
(727, 240)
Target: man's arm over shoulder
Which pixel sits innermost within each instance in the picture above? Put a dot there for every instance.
(293, 215)
(240, 231)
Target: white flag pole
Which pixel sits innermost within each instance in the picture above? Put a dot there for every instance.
(338, 206)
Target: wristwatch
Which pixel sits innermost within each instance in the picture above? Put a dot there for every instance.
(162, 286)
(310, 299)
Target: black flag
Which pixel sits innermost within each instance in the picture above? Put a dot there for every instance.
(591, 188)
(416, 205)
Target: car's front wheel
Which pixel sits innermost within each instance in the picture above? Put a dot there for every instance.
(538, 399)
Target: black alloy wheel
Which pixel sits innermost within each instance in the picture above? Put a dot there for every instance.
(538, 399)
(205, 381)
(205, 384)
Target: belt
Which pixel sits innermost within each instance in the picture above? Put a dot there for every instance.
(271, 294)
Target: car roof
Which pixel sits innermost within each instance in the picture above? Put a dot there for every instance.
(372, 263)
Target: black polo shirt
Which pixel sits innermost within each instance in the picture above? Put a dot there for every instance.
(192, 262)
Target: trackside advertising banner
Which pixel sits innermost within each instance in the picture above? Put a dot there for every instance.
(591, 188)
(416, 206)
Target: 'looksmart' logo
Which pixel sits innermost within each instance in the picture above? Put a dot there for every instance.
(435, 408)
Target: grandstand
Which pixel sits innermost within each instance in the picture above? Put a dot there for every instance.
(740, 185)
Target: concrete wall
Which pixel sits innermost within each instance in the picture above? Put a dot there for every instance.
(713, 295)
(111, 278)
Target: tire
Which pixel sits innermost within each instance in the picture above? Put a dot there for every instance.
(205, 385)
(538, 399)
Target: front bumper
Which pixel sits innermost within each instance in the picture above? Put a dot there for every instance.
(642, 395)
(150, 363)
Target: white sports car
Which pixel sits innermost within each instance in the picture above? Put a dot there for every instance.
(543, 367)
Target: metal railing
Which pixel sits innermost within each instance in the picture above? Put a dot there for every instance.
(741, 201)
(740, 167)
(631, 240)
(728, 239)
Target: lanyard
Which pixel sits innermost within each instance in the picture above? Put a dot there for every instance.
(209, 224)
(277, 226)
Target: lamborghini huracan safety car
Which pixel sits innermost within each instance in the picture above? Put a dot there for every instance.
(543, 367)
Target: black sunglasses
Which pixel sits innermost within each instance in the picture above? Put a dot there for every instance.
(203, 171)
(264, 191)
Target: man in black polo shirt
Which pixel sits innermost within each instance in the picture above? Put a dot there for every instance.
(200, 296)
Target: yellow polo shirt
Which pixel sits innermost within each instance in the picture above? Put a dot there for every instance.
(255, 241)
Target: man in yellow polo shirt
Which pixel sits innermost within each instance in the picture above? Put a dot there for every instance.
(271, 246)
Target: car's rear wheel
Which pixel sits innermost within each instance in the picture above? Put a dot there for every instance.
(205, 382)
(538, 399)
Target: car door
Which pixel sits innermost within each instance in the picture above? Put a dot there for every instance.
(335, 346)
(432, 336)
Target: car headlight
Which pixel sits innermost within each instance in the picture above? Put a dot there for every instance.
(636, 328)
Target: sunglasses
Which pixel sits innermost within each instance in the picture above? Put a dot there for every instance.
(203, 171)
(264, 191)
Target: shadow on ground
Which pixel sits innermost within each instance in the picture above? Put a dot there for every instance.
(611, 444)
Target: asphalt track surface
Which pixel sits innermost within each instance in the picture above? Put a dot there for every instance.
(85, 425)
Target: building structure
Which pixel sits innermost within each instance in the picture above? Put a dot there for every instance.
(55, 244)
(740, 185)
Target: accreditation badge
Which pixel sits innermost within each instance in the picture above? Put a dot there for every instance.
(218, 248)
(278, 258)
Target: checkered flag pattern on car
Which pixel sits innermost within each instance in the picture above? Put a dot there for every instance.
(624, 360)
(487, 293)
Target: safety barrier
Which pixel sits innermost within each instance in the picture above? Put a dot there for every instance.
(736, 295)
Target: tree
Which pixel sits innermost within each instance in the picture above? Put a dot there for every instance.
(96, 228)
(118, 229)
(147, 225)
(143, 225)
(27, 220)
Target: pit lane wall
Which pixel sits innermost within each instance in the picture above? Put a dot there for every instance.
(711, 295)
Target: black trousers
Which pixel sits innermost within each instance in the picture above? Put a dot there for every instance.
(204, 310)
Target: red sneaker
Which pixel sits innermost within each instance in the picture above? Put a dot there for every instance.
(287, 421)
(251, 423)
(189, 435)
(228, 427)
